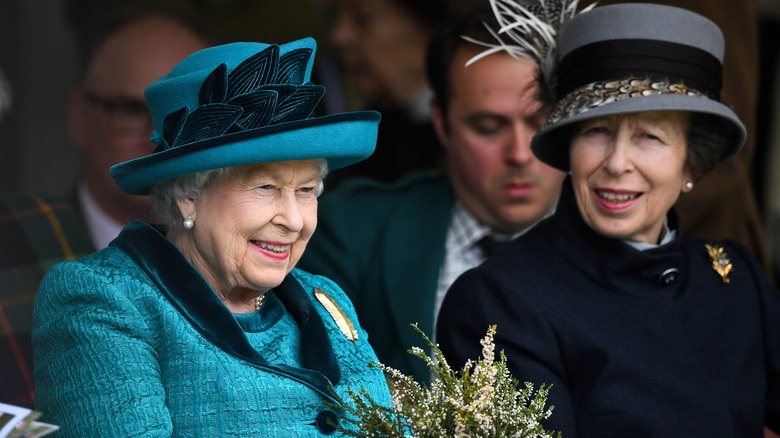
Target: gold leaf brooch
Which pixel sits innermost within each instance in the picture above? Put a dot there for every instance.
(720, 261)
(338, 314)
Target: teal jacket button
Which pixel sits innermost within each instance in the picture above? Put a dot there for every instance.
(327, 422)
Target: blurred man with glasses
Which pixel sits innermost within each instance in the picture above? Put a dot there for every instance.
(108, 118)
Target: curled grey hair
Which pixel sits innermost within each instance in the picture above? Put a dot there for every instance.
(164, 196)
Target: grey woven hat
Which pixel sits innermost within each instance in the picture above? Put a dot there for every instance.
(634, 57)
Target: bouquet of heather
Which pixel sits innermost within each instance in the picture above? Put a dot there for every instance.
(481, 400)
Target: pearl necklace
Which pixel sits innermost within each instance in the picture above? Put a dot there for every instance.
(259, 301)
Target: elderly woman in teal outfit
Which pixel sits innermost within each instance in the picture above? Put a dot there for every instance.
(199, 324)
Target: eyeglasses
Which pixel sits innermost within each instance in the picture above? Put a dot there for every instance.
(123, 115)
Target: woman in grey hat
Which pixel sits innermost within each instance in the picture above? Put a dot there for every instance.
(639, 330)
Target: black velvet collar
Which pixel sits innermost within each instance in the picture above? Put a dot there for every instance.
(192, 296)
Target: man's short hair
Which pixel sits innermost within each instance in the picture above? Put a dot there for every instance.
(440, 55)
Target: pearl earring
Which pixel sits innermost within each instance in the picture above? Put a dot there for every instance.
(188, 223)
(689, 185)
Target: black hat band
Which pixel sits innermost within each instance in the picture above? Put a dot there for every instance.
(657, 60)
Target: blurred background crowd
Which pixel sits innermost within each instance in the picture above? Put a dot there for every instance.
(370, 56)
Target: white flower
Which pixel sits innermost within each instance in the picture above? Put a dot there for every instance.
(481, 400)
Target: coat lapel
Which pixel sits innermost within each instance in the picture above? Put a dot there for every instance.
(184, 287)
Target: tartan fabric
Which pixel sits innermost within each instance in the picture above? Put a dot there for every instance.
(36, 231)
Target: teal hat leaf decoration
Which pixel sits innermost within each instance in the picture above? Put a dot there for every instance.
(208, 121)
(172, 127)
(257, 70)
(258, 108)
(262, 90)
(284, 90)
(300, 105)
(214, 88)
(292, 66)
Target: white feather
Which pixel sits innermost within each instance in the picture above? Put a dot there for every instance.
(529, 34)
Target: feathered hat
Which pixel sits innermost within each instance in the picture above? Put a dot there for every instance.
(616, 59)
(243, 103)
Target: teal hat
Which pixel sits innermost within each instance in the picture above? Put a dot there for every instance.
(243, 103)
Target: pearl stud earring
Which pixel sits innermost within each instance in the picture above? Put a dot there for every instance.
(689, 185)
(188, 223)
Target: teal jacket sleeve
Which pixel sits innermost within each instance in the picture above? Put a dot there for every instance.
(81, 318)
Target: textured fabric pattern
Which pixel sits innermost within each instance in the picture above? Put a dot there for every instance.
(36, 231)
(598, 94)
(461, 252)
(115, 358)
(630, 347)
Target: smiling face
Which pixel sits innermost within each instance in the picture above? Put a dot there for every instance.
(252, 226)
(628, 171)
(492, 117)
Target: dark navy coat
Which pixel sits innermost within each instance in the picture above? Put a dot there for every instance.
(635, 343)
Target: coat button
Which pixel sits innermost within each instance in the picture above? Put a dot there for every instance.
(327, 422)
(668, 277)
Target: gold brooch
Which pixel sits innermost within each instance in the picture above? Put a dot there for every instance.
(338, 314)
(720, 261)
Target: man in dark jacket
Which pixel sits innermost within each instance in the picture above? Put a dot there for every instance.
(401, 245)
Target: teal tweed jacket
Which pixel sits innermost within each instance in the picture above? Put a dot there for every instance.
(384, 245)
(132, 341)
(36, 232)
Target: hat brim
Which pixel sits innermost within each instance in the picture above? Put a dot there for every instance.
(341, 139)
(551, 144)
